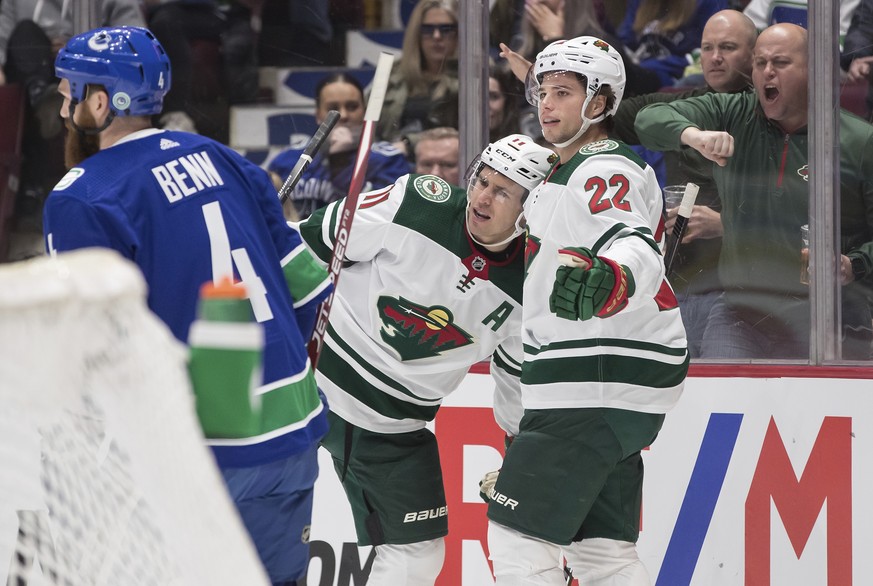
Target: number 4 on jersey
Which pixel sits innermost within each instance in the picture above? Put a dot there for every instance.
(224, 259)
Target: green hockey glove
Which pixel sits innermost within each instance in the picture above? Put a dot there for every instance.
(589, 286)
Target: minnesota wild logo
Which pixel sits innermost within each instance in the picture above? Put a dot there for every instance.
(602, 45)
(416, 331)
(432, 187)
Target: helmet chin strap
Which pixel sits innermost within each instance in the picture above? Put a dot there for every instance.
(586, 124)
(109, 117)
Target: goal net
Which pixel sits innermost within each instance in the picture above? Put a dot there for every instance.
(104, 474)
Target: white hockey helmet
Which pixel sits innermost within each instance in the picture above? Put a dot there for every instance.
(518, 158)
(594, 59)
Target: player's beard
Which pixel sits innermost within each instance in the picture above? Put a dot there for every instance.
(78, 146)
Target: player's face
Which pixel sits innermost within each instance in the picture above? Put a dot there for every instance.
(495, 205)
(726, 53)
(345, 99)
(439, 38)
(780, 73)
(438, 157)
(560, 110)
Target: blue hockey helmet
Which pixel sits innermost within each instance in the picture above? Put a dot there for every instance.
(128, 61)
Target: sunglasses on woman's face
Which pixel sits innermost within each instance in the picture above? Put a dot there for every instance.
(430, 30)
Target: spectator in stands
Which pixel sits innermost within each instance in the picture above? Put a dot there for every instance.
(178, 25)
(726, 60)
(423, 88)
(328, 177)
(545, 21)
(437, 153)
(766, 12)
(662, 33)
(858, 49)
(504, 95)
(31, 32)
(759, 141)
(188, 210)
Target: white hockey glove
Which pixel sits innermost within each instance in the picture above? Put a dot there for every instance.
(486, 485)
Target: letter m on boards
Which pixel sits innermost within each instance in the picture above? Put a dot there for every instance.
(826, 478)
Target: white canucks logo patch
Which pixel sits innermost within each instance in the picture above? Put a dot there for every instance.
(433, 188)
(599, 147)
(166, 143)
(69, 178)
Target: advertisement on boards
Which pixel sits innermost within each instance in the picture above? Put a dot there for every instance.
(758, 480)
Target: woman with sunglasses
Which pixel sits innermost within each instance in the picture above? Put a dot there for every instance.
(423, 89)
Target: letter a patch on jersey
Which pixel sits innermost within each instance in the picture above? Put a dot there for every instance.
(416, 331)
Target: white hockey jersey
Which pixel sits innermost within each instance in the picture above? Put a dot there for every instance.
(417, 304)
(606, 199)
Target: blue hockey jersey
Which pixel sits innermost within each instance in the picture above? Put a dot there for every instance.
(188, 210)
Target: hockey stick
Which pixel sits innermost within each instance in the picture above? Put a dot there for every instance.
(682, 216)
(309, 152)
(374, 109)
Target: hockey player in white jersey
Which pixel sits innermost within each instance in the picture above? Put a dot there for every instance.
(604, 347)
(432, 285)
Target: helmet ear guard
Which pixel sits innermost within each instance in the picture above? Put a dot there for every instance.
(128, 61)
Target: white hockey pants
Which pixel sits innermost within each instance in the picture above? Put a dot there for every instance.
(413, 564)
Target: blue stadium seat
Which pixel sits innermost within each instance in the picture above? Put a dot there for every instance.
(296, 86)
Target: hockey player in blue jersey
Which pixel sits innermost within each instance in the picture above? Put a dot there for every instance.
(327, 179)
(188, 210)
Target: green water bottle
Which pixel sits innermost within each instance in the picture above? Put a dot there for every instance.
(225, 364)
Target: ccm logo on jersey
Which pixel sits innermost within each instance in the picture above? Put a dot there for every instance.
(186, 176)
(425, 515)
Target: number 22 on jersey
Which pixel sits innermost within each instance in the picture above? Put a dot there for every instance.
(608, 193)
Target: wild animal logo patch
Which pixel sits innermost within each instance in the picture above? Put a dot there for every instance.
(433, 188)
(416, 331)
(602, 45)
(599, 147)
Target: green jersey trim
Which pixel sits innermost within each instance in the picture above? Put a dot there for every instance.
(605, 368)
(350, 381)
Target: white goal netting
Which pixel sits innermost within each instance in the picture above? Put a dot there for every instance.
(104, 474)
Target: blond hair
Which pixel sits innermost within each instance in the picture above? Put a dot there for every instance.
(412, 60)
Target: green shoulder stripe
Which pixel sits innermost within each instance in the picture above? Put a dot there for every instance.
(608, 146)
(434, 209)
